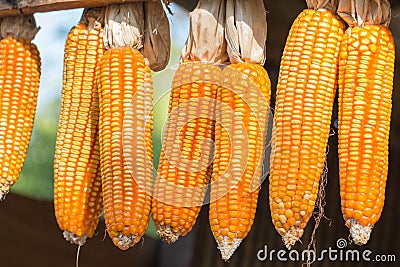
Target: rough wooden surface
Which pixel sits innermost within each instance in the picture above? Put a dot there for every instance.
(10, 8)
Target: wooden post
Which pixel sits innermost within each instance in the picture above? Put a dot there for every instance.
(15, 7)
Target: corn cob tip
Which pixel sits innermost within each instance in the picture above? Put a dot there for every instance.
(291, 237)
(74, 238)
(124, 241)
(167, 234)
(3, 192)
(359, 233)
(228, 246)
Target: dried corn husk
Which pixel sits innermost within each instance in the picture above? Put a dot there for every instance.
(93, 18)
(206, 41)
(330, 5)
(365, 12)
(246, 31)
(140, 25)
(124, 25)
(20, 26)
(157, 41)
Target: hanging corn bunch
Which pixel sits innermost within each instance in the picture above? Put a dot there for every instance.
(305, 95)
(19, 85)
(242, 112)
(185, 167)
(77, 181)
(365, 102)
(126, 120)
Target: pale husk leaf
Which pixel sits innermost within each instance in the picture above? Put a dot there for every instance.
(157, 41)
(330, 5)
(206, 41)
(124, 25)
(20, 26)
(365, 12)
(246, 31)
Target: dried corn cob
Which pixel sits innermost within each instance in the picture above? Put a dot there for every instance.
(77, 181)
(184, 170)
(365, 102)
(240, 136)
(125, 143)
(19, 85)
(126, 121)
(242, 112)
(305, 94)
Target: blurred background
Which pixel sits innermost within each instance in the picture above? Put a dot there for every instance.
(30, 235)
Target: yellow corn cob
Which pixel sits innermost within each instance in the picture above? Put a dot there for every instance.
(77, 181)
(305, 95)
(125, 127)
(184, 170)
(365, 92)
(240, 135)
(19, 85)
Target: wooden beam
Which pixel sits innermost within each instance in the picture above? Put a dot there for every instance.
(8, 8)
(186, 4)
(15, 7)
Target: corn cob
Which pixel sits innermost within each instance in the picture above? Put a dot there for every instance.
(305, 94)
(184, 171)
(77, 181)
(19, 85)
(125, 143)
(240, 135)
(185, 167)
(365, 92)
(242, 112)
(125, 126)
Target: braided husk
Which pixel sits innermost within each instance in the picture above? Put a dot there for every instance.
(365, 12)
(206, 41)
(20, 26)
(246, 31)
